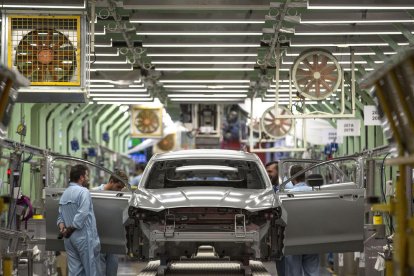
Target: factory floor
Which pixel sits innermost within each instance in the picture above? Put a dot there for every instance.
(133, 268)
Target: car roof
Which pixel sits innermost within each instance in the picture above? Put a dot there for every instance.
(206, 154)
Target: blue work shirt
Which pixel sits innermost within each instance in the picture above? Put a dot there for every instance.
(135, 180)
(99, 188)
(300, 187)
(83, 246)
(76, 209)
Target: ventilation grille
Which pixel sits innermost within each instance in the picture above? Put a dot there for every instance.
(46, 49)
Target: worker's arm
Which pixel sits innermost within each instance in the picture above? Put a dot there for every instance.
(60, 222)
(83, 209)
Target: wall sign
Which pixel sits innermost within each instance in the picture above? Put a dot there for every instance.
(330, 135)
(348, 127)
(371, 116)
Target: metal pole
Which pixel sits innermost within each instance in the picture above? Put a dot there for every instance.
(370, 187)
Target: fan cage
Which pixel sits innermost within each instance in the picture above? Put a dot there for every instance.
(135, 132)
(68, 26)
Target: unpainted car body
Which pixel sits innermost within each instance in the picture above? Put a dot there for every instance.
(225, 199)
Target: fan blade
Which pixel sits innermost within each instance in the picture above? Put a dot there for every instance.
(60, 41)
(25, 58)
(270, 128)
(49, 38)
(318, 88)
(65, 55)
(308, 65)
(315, 62)
(324, 61)
(300, 72)
(271, 115)
(324, 84)
(331, 77)
(25, 46)
(52, 72)
(303, 80)
(309, 85)
(268, 119)
(287, 122)
(328, 69)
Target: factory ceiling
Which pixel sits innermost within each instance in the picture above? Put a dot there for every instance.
(215, 50)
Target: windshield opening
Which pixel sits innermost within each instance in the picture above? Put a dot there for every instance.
(205, 172)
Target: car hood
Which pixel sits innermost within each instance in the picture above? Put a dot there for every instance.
(160, 199)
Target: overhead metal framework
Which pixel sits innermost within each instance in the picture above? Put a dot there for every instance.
(223, 50)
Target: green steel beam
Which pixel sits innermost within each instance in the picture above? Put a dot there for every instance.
(380, 54)
(390, 42)
(405, 31)
(52, 126)
(114, 131)
(61, 137)
(370, 61)
(67, 127)
(75, 129)
(111, 120)
(99, 120)
(124, 134)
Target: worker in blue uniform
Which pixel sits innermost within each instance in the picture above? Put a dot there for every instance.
(306, 264)
(139, 171)
(272, 169)
(109, 262)
(77, 225)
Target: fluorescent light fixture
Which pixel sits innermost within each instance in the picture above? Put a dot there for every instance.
(205, 86)
(185, 45)
(203, 62)
(101, 85)
(200, 34)
(202, 55)
(337, 44)
(208, 96)
(280, 80)
(206, 99)
(117, 99)
(108, 62)
(197, 21)
(119, 95)
(368, 21)
(104, 54)
(111, 69)
(119, 90)
(207, 90)
(349, 33)
(361, 7)
(103, 45)
(136, 85)
(25, 6)
(123, 102)
(201, 69)
(280, 85)
(99, 33)
(112, 81)
(204, 81)
(281, 90)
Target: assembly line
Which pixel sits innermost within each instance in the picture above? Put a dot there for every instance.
(158, 137)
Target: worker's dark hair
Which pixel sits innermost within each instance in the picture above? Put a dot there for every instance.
(271, 163)
(122, 174)
(76, 172)
(140, 166)
(294, 170)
